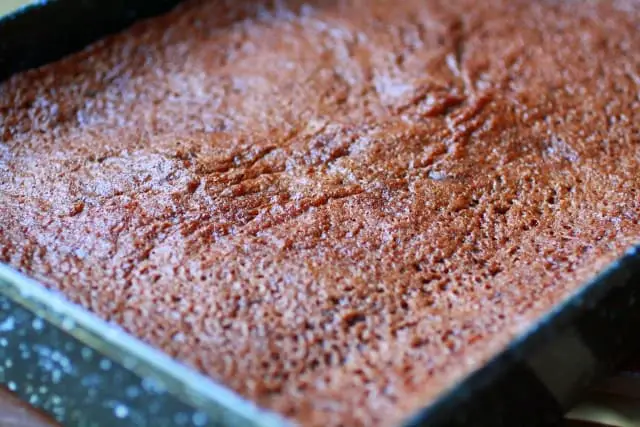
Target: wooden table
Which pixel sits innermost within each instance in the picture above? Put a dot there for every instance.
(14, 413)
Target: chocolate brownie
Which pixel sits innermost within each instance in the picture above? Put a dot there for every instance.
(337, 208)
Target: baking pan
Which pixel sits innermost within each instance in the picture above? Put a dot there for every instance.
(613, 402)
(85, 372)
(43, 31)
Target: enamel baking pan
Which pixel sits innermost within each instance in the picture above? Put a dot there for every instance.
(82, 371)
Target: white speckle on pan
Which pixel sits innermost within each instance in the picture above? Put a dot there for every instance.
(121, 411)
(68, 323)
(12, 386)
(132, 392)
(42, 350)
(152, 386)
(199, 419)
(56, 375)
(86, 354)
(105, 364)
(59, 411)
(37, 324)
(8, 324)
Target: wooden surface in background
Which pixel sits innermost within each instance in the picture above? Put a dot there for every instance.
(14, 413)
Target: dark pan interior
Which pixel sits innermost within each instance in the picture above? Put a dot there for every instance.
(47, 30)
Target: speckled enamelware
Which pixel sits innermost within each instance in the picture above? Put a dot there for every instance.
(85, 372)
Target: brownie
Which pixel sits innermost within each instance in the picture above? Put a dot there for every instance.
(336, 208)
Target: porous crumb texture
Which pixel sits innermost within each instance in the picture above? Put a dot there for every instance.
(336, 208)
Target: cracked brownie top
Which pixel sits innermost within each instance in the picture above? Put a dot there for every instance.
(336, 208)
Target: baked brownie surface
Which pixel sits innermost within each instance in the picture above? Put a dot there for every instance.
(336, 208)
